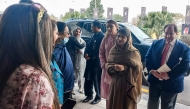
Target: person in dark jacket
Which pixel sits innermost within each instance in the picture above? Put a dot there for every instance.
(63, 59)
(174, 57)
(93, 70)
(71, 47)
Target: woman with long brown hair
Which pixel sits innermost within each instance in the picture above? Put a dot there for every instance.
(107, 43)
(25, 54)
(56, 72)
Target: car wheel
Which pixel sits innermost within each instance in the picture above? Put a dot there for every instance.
(145, 75)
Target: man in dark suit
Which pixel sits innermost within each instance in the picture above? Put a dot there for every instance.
(93, 70)
(176, 55)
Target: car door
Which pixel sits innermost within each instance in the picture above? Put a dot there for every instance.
(86, 32)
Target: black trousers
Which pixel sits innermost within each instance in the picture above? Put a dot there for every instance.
(168, 100)
(88, 87)
(67, 95)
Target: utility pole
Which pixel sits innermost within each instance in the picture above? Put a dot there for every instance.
(95, 3)
(143, 3)
(95, 10)
(164, 2)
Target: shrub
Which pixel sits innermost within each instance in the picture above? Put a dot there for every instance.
(186, 39)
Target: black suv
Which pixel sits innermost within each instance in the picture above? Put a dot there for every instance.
(140, 40)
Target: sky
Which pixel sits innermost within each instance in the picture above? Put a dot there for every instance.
(58, 7)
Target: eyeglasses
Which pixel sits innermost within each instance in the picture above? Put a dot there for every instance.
(65, 32)
(42, 10)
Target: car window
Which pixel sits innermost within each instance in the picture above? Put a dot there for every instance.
(134, 39)
(75, 24)
(137, 32)
(86, 30)
(120, 26)
(103, 27)
(86, 27)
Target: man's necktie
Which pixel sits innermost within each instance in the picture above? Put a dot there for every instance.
(164, 54)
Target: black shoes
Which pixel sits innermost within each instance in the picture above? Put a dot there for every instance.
(96, 100)
(87, 99)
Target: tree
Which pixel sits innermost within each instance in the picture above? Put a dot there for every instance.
(90, 9)
(179, 18)
(66, 16)
(74, 14)
(83, 15)
(117, 17)
(136, 21)
(154, 22)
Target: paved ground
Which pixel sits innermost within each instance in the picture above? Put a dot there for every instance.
(184, 97)
(102, 105)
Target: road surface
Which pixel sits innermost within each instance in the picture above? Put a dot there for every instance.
(184, 97)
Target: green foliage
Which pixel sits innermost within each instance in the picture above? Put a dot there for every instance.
(179, 18)
(136, 21)
(90, 9)
(186, 39)
(117, 17)
(154, 22)
(74, 14)
(83, 15)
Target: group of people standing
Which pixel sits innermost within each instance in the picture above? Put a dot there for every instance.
(41, 59)
(117, 56)
(114, 67)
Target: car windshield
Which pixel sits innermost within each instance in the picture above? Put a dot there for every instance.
(137, 32)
